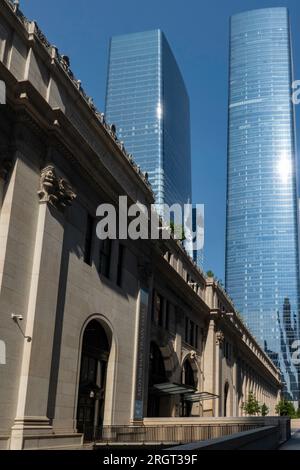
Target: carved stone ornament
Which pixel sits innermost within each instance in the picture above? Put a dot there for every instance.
(55, 190)
(193, 355)
(220, 337)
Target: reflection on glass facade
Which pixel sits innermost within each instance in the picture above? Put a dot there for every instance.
(196, 250)
(262, 261)
(147, 100)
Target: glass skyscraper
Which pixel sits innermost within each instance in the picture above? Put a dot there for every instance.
(193, 248)
(262, 259)
(147, 100)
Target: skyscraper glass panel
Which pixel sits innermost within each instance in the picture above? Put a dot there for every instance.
(147, 100)
(262, 259)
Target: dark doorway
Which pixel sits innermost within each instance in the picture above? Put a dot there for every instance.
(91, 399)
(157, 375)
(187, 379)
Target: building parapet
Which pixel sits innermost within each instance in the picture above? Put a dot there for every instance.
(35, 33)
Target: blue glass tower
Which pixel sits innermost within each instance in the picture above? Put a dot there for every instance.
(262, 259)
(147, 100)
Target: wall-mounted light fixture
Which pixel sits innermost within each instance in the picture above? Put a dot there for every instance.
(16, 319)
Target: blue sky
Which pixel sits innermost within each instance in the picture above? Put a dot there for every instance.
(197, 31)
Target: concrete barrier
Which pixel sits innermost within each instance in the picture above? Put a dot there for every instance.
(295, 424)
(266, 438)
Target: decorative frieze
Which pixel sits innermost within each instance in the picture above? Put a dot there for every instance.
(54, 189)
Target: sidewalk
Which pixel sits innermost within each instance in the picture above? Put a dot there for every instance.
(294, 442)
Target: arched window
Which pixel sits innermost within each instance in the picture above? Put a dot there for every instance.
(157, 372)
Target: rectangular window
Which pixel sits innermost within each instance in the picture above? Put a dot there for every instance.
(186, 329)
(120, 265)
(158, 309)
(160, 313)
(105, 255)
(196, 337)
(88, 245)
(167, 319)
(192, 332)
(153, 311)
(227, 350)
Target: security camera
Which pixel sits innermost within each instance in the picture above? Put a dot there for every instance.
(16, 317)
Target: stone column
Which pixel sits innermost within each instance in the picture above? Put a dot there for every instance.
(218, 403)
(142, 342)
(209, 368)
(235, 374)
(5, 166)
(55, 194)
(243, 387)
(260, 392)
(246, 384)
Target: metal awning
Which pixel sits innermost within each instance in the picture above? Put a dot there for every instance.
(200, 396)
(168, 388)
(189, 393)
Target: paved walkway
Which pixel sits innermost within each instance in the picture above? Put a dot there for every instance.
(294, 442)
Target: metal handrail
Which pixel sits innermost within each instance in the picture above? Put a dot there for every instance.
(166, 434)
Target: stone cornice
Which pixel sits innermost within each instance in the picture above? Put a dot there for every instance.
(230, 323)
(62, 70)
(24, 98)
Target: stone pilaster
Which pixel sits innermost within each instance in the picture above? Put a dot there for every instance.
(2, 183)
(218, 373)
(235, 375)
(142, 335)
(5, 167)
(209, 368)
(31, 416)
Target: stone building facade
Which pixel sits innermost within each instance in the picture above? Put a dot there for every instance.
(94, 332)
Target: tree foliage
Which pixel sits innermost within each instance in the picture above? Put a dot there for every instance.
(178, 231)
(286, 408)
(251, 406)
(264, 410)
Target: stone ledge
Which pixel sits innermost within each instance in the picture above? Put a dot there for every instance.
(266, 438)
(53, 441)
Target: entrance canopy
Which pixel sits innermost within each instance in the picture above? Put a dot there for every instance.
(189, 392)
(168, 388)
(201, 396)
